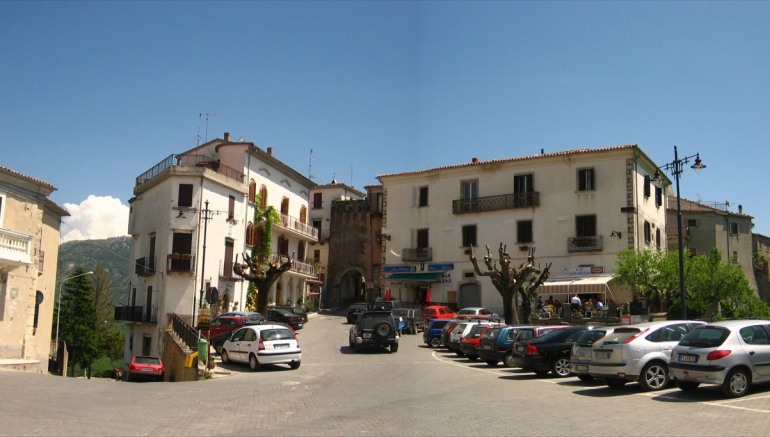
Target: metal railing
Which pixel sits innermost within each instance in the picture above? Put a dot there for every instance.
(584, 244)
(290, 222)
(494, 203)
(180, 262)
(417, 254)
(15, 246)
(139, 314)
(186, 333)
(297, 266)
(190, 161)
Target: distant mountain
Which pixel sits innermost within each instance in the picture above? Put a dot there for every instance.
(111, 254)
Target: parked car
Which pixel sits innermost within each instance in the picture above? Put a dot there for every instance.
(263, 344)
(548, 353)
(354, 310)
(446, 330)
(462, 330)
(496, 342)
(476, 312)
(526, 333)
(297, 310)
(252, 316)
(732, 354)
(144, 367)
(412, 317)
(638, 352)
(220, 328)
(581, 352)
(469, 344)
(438, 312)
(432, 333)
(374, 329)
(285, 316)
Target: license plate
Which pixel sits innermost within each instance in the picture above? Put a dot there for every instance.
(602, 355)
(486, 347)
(146, 369)
(581, 368)
(686, 358)
(281, 346)
(367, 335)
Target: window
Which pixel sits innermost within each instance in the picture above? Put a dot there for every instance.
(252, 191)
(523, 184)
(263, 198)
(657, 238)
(733, 228)
(586, 180)
(151, 256)
(318, 200)
(585, 225)
(250, 235)
(317, 225)
(524, 231)
(647, 186)
(692, 223)
(647, 232)
(301, 251)
(317, 256)
(423, 197)
(422, 239)
(378, 201)
(469, 236)
(227, 264)
(185, 195)
(182, 243)
(470, 189)
(285, 206)
(658, 196)
(231, 208)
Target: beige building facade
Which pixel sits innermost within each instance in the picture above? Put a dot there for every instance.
(29, 249)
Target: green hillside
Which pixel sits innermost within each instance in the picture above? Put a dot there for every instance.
(111, 254)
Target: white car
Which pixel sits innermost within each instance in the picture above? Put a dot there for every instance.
(262, 344)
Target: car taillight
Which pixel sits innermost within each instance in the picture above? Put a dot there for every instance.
(531, 350)
(635, 336)
(717, 354)
(261, 346)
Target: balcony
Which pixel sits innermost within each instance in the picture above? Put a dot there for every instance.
(136, 314)
(495, 203)
(420, 254)
(303, 229)
(226, 271)
(584, 244)
(144, 266)
(190, 161)
(180, 262)
(15, 248)
(298, 266)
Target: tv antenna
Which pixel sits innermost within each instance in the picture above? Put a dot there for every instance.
(310, 166)
(200, 115)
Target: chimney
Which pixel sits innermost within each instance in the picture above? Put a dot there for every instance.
(475, 160)
(270, 151)
(740, 209)
(227, 136)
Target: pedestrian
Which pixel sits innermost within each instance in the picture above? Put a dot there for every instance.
(575, 303)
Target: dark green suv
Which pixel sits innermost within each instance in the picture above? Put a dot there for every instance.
(374, 329)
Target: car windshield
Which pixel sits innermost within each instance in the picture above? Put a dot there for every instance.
(705, 336)
(589, 337)
(275, 334)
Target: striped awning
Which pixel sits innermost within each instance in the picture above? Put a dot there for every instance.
(577, 284)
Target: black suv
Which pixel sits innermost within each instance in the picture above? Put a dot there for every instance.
(374, 329)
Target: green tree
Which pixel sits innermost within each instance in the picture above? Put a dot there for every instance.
(110, 337)
(652, 274)
(78, 320)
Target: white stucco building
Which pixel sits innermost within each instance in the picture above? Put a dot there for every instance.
(191, 216)
(578, 208)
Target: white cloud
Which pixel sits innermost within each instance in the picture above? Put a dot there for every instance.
(95, 218)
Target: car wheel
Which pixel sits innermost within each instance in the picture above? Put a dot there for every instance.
(393, 348)
(225, 356)
(615, 383)
(686, 385)
(491, 363)
(654, 376)
(383, 330)
(560, 367)
(508, 360)
(435, 342)
(736, 383)
(585, 378)
(253, 363)
(294, 365)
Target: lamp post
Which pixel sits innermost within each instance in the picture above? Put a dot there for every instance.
(675, 167)
(58, 306)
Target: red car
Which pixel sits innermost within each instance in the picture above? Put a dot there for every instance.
(469, 345)
(438, 312)
(145, 367)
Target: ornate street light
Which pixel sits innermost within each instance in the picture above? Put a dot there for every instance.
(675, 167)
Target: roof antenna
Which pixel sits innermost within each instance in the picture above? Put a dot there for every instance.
(200, 115)
(310, 166)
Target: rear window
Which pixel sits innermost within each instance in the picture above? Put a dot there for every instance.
(147, 360)
(706, 336)
(525, 334)
(589, 337)
(275, 334)
(370, 319)
(477, 330)
(620, 335)
(491, 333)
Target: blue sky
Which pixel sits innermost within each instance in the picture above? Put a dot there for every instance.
(95, 93)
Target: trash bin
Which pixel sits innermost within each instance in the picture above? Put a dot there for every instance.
(203, 350)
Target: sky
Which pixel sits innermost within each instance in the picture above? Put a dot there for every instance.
(93, 94)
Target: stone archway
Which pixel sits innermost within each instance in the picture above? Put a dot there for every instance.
(352, 287)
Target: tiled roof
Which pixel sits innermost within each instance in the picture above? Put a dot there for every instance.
(29, 178)
(475, 162)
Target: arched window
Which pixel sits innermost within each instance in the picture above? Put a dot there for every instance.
(263, 197)
(252, 191)
(250, 235)
(303, 214)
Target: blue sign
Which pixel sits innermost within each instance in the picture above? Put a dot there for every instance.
(435, 267)
(398, 269)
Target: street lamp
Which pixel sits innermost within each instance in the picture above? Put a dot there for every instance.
(675, 167)
(58, 308)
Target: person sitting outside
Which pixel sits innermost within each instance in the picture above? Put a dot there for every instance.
(549, 301)
(557, 307)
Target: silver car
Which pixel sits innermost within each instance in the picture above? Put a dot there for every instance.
(638, 353)
(733, 354)
(580, 357)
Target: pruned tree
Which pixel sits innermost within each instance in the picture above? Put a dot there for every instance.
(260, 269)
(509, 280)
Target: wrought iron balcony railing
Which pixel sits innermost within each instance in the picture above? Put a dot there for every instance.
(144, 266)
(138, 314)
(494, 203)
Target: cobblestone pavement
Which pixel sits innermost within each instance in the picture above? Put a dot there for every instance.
(416, 391)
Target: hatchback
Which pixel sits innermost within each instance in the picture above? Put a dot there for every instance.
(497, 341)
(285, 316)
(438, 312)
(638, 353)
(262, 344)
(732, 354)
(469, 344)
(548, 353)
(432, 333)
(581, 352)
(145, 367)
